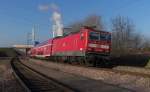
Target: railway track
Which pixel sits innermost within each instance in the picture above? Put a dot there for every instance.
(144, 72)
(134, 80)
(33, 81)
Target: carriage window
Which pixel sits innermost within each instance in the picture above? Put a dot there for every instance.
(94, 36)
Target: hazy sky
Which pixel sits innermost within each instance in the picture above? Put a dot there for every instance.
(18, 16)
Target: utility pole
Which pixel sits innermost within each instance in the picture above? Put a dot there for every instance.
(29, 38)
(33, 35)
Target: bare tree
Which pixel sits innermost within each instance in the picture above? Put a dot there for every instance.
(137, 39)
(146, 45)
(124, 36)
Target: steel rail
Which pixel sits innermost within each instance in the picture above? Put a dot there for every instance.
(33, 81)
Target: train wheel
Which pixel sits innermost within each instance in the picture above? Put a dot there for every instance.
(56, 59)
(81, 60)
(88, 61)
(69, 59)
(59, 59)
(102, 62)
(73, 60)
(64, 59)
(99, 62)
(107, 63)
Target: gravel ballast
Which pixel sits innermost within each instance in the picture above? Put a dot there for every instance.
(75, 81)
(141, 70)
(7, 81)
(134, 82)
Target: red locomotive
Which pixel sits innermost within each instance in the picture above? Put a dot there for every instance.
(87, 46)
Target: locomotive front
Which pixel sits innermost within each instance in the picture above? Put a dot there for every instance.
(99, 42)
(98, 47)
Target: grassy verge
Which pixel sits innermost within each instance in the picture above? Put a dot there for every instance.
(7, 52)
(148, 64)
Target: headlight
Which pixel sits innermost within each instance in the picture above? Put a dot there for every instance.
(93, 45)
(99, 46)
(104, 46)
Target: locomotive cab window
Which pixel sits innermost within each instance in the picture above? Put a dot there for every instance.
(109, 37)
(103, 36)
(94, 36)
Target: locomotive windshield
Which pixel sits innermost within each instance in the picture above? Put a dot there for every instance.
(104, 36)
(94, 36)
(99, 36)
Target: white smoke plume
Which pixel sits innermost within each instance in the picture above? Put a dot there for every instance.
(47, 7)
(54, 7)
(57, 25)
(43, 7)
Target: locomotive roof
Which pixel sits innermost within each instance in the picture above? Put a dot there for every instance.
(92, 29)
(45, 42)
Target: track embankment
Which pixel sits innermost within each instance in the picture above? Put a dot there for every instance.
(139, 70)
(74, 80)
(134, 81)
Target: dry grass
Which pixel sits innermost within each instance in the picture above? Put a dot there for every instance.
(148, 64)
(7, 52)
